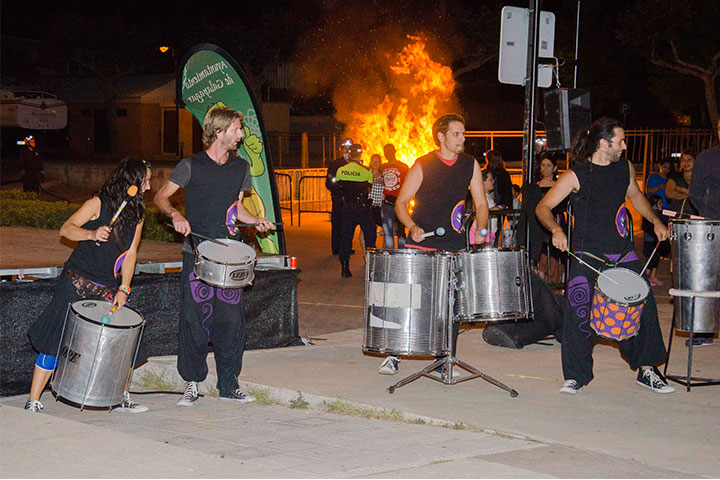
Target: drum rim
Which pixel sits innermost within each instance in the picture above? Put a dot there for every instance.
(109, 325)
(230, 241)
(624, 304)
(491, 249)
(695, 221)
(410, 251)
(246, 263)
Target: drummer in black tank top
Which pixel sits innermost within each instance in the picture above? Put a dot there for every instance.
(101, 257)
(597, 186)
(439, 182)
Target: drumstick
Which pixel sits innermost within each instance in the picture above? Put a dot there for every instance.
(213, 240)
(670, 213)
(131, 191)
(591, 267)
(250, 224)
(650, 257)
(440, 231)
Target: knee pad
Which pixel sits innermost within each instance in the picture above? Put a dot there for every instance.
(46, 362)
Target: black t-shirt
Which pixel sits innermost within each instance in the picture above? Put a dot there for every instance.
(211, 192)
(600, 215)
(440, 200)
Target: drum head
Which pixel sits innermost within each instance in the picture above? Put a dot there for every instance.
(95, 310)
(233, 252)
(623, 285)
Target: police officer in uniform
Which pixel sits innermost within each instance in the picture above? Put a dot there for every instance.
(335, 195)
(355, 182)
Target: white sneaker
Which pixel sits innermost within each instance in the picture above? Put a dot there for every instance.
(571, 387)
(190, 396)
(130, 406)
(34, 406)
(389, 366)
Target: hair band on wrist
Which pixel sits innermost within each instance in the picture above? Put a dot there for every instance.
(125, 289)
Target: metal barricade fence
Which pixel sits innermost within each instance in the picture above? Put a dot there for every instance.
(285, 192)
(303, 190)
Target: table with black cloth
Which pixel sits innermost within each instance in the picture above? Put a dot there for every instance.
(270, 304)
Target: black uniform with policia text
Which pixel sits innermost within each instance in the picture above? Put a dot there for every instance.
(355, 181)
(209, 314)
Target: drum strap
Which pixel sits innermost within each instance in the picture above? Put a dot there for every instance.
(86, 287)
(605, 260)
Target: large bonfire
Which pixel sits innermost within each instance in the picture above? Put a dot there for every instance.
(405, 118)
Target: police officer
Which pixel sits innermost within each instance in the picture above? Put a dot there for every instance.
(335, 195)
(355, 182)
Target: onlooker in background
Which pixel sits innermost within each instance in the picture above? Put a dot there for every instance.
(394, 173)
(33, 170)
(503, 184)
(650, 240)
(335, 195)
(705, 195)
(355, 181)
(377, 189)
(655, 184)
(678, 186)
(517, 203)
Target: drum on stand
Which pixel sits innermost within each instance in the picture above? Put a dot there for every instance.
(493, 285)
(696, 266)
(231, 265)
(618, 302)
(407, 302)
(95, 359)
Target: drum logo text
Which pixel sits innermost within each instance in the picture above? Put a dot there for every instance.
(633, 297)
(70, 354)
(238, 275)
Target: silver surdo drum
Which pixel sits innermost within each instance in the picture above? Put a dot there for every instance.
(95, 359)
(696, 266)
(493, 285)
(407, 306)
(231, 265)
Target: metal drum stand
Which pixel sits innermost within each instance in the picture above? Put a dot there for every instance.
(689, 380)
(449, 361)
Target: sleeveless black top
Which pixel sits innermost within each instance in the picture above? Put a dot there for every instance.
(601, 218)
(211, 194)
(101, 263)
(440, 200)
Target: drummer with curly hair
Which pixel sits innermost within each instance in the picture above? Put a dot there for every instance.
(597, 185)
(102, 255)
(214, 182)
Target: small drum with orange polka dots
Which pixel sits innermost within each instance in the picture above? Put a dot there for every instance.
(618, 301)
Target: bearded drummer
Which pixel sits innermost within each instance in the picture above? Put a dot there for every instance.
(102, 255)
(214, 182)
(598, 184)
(439, 182)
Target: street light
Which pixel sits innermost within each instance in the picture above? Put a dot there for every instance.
(165, 49)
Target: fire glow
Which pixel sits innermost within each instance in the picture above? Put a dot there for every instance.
(404, 118)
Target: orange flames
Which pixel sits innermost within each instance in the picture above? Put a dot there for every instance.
(405, 118)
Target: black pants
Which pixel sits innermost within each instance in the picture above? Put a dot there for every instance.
(336, 222)
(578, 338)
(210, 315)
(355, 214)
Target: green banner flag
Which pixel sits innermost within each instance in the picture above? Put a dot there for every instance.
(210, 77)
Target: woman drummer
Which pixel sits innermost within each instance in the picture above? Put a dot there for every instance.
(102, 254)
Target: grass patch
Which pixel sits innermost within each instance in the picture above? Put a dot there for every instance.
(342, 407)
(299, 402)
(151, 381)
(263, 397)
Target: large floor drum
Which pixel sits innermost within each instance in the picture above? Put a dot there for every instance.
(407, 297)
(94, 359)
(696, 266)
(493, 285)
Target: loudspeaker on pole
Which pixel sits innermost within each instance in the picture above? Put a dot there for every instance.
(567, 111)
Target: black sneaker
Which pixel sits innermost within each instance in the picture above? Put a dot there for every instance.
(34, 406)
(700, 341)
(131, 406)
(571, 387)
(190, 396)
(653, 379)
(236, 396)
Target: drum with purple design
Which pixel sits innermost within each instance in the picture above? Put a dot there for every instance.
(618, 302)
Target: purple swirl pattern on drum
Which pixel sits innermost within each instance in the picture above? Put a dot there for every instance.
(578, 295)
(233, 296)
(201, 292)
(207, 309)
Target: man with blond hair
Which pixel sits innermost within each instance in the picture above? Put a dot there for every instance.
(214, 182)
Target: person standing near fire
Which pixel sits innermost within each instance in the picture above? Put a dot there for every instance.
(439, 182)
(394, 173)
(335, 195)
(33, 170)
(355, 182)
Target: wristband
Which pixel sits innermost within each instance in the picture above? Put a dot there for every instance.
(125, 289)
